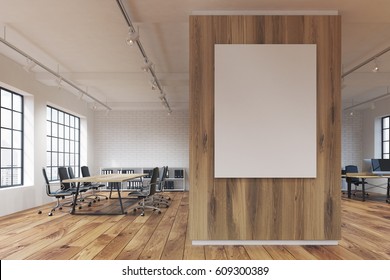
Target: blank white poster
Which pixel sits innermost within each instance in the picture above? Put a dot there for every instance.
(265, 111)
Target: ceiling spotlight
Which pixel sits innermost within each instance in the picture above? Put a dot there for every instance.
(153, 83)
(376, 67)
(29, 65)
(148, 64)
(59, 82)
(132, 37)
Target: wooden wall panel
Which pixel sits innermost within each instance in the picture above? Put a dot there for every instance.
(265, 209)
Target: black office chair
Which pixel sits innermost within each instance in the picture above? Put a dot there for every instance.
(161, 200)
(355, 181)
(93, 186)
(58, 194)
(63, 175)
(71, 175)
(147, 194)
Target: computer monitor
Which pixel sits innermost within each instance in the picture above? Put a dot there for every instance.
(366, 167)
(380, 166)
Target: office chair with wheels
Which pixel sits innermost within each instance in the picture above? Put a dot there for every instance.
(94, 187)
(355, 181)
(58, 194)
(147, 195)
(63, 174)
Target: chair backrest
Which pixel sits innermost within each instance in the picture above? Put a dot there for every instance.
(70, 172)
(85, 171)
(63, 174)
(165, 173)
(153, 181)
(351, 169)
(71, 175)
(162, 176)
(48, 191)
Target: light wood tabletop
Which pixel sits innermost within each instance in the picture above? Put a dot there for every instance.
(363, 176)
(103, 178)
(109, 178)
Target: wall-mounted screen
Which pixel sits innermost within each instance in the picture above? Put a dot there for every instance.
(265, 111)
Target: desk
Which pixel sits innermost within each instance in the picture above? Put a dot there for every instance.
(365, 176)
(109, 178)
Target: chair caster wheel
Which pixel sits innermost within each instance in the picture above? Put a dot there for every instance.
(80, 207)
(106, 197)
(60, 208)
(159, 212)
(90, 204)
(142, 214)
(50, 214)
(39, 212)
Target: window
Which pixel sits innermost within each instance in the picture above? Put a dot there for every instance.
(11, 138)
(385, 137)
(63, 142)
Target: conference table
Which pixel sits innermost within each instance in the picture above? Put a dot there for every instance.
(103, 178)
(364, 177)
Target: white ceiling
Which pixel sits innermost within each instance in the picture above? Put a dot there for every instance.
(84, 41)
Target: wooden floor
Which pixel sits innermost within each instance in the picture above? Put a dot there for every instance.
(28, 235)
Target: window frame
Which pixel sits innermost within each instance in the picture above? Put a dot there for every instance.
(385, 142)
(66, 140)
(12, 148)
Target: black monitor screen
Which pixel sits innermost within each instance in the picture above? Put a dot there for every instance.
(380, 165)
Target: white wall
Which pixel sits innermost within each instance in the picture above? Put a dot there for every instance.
(141, 139)
(352, 141)
(32, 194)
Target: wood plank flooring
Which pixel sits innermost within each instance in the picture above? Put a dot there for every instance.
(29, 235)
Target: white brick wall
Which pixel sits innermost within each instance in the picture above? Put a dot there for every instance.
(352, 137)
(152, 138)
(141, 139)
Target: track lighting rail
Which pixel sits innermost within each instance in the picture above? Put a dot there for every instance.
(143, 53)
(57, 75)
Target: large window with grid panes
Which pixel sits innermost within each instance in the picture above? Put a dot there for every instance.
(11, 138)
(385, 137)
(63, 142)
